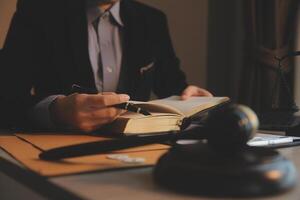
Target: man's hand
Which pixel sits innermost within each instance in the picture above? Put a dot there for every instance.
(86, 112)
(192, 90)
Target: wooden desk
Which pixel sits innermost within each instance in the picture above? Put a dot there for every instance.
(123, 184)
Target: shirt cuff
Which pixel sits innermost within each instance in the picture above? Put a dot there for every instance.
(40, 113)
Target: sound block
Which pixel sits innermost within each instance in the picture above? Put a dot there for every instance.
(198, 169)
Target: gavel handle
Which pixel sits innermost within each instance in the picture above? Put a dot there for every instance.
(125, 142)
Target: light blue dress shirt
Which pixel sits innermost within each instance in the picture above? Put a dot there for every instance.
(105, 46)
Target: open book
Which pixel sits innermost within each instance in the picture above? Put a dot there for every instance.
(166, 114)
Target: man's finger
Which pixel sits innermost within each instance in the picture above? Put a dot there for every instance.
(203, 92)
(194, 91)
(96, 118)
(185, 97)
(101, 101)
(107, 93)
(104, 115)
(187, 93)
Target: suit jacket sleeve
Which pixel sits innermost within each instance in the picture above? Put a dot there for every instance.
(23, 51)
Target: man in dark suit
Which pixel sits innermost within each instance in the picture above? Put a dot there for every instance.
(120, 48)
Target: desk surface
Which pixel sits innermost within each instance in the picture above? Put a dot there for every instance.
(136, 183)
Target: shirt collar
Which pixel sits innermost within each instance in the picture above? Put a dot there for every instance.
(115, 12)
(94, 12)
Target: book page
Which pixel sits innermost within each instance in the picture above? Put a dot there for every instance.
(175, 105)
(153, 107)
(192, 105)
(131, 115)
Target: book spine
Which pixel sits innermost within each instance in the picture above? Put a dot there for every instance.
(184, 123)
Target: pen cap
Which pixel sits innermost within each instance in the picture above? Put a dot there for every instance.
(231, 127)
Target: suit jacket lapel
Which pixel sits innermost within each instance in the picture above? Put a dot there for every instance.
(134, 40)
(78, 35)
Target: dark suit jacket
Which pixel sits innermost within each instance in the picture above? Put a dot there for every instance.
(47, 48)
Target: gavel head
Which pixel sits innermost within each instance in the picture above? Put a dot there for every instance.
(231, 127)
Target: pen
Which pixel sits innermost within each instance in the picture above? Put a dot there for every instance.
(265, 141)
(125, 106)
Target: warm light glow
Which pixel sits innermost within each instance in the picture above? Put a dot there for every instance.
(274, 175)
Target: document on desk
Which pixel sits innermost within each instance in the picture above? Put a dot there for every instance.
(26, 148)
